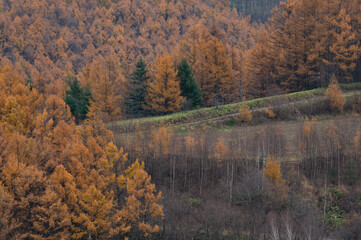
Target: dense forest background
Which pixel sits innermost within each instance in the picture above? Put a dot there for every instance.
(71, 68)
(230, 56)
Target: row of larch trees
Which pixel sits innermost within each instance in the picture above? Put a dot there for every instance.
(300, 47)
(216, 67)
(62, 181)
(100, 42)
(305, 43)
(203, 69)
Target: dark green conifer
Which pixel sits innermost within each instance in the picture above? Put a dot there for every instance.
(78, 99)
(137, 89)
(189, 86)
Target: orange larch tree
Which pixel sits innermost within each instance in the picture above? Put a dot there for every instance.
(245, 113)
(142, 210)
(164, 94)
(106, 85)
(278, 189)
(336, 98)
(59, 180)
(216, 80)
(344, 48)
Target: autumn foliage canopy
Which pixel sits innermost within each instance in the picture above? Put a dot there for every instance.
(62, 181)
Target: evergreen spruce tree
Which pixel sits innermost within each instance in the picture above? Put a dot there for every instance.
(189, 87)
(78, 99)
(138, 87)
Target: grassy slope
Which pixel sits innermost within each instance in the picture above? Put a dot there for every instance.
(212, 112)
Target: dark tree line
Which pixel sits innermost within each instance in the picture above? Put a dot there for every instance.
(259, 10)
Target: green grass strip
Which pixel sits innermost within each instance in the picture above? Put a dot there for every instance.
(212, 112)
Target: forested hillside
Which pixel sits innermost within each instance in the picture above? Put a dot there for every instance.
(100, 42)
(280, 167)
(305, 43)
(61, 181)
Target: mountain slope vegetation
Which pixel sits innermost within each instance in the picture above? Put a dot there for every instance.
(102, 40)
(47, 39)
(268, 152)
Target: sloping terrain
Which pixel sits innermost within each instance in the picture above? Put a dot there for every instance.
(203, 115)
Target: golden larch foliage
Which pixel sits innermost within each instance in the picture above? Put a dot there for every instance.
(19, 105)
(129, 173)
(221, 151)
(278, 189)
(245, 113)
(164, 94)
(105, 85)
(141, 209)
(214, 71)
(160, 141)
(257, 68)
(94, 218)
(57, 109)
(345, 50)
(272, 169)
(336, 98)
(219, 84)
(308, 126)
(64, 185)
(270, 113)
(59, 180)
